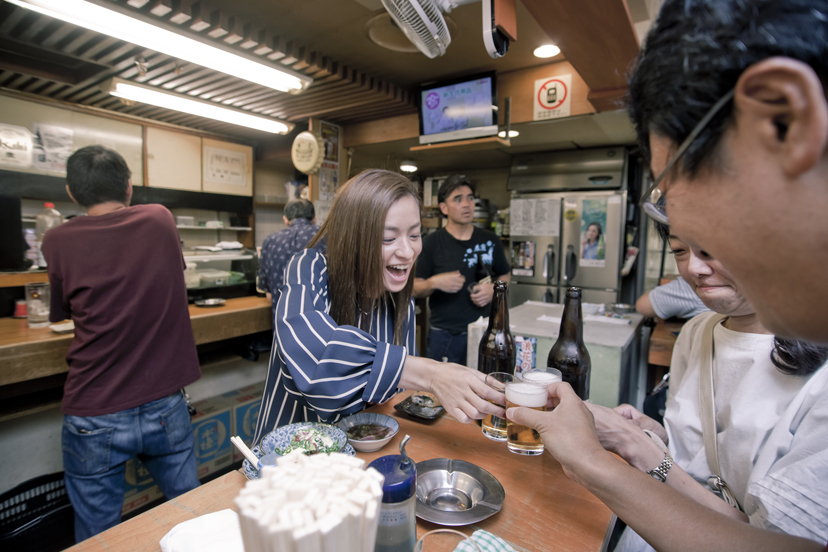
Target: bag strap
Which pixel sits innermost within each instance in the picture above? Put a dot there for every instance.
(707, 411)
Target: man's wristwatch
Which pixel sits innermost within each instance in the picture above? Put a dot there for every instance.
(660, 472)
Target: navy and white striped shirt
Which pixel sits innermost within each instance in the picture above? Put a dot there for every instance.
(320, 371)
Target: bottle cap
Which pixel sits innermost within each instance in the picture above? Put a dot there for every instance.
(49, 205)
(400, 477)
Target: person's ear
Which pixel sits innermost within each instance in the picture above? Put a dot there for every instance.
(129, 193)
(781, 101)
(285, 220)
(444, 209)
(70, 195)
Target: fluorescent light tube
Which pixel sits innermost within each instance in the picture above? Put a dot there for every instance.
(153, 96)
(135, 31)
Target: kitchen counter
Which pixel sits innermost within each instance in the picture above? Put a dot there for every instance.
(31, 353)
(544, 510)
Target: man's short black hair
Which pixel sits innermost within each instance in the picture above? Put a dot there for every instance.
(96, 174)
(300, 208)
(452, 183)
(697, 50)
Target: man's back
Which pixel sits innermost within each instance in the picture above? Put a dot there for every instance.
(119, 276)
(278, 248)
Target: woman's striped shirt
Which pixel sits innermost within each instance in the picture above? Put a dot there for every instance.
(320, 371)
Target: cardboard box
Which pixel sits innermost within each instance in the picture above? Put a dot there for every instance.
(212, 427)
(139, 488)
(246, 402)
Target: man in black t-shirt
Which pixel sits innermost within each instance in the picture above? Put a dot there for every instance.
(446, 271)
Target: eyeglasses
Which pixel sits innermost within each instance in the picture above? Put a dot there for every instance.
(652, 202)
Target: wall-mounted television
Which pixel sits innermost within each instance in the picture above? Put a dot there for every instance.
(458, 109)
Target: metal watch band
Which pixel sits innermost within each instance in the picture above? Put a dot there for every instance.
(660, 472)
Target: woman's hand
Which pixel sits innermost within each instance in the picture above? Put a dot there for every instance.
(623, 437)
(461, 390)
(643, 421)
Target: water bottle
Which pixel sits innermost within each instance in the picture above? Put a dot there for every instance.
(46, 219)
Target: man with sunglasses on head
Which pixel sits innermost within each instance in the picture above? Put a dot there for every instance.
(729, 103)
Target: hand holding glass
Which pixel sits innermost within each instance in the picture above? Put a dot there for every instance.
(519, 438)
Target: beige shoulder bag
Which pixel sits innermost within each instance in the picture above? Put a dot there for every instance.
(707, 411)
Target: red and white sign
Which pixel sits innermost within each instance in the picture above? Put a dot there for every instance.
(553, 97)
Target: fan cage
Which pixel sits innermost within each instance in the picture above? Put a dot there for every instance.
(422, 23)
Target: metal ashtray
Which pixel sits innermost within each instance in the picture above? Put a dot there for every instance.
(620, 308)
(455, 492)
(210, 302)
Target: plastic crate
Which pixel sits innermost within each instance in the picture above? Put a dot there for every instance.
(37, 515)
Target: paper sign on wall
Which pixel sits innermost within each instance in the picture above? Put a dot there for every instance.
(56, 145)
(553, 98)
(224, 166)
(15, 147)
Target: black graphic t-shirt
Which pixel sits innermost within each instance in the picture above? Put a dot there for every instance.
(442, 252)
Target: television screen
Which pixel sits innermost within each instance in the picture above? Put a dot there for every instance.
(458, 109)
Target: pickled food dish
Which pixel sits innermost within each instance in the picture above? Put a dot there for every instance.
(368, 432)
(310, 441)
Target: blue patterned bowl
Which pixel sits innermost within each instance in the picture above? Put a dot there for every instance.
(280, 438)
(369, 418)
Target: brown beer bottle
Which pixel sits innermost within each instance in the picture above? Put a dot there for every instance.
(569, 354)
(497, 351)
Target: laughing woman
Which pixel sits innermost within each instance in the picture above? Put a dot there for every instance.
(345, 324)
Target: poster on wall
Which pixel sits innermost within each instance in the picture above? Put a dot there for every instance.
(553, 98)
(322, 208)
(52, 147)
(593, 226)
(328, 180)
(330, 138)
(535, 217)
(15, 147)
(224, 166)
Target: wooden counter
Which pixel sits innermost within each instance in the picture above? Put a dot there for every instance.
(543, 510)
(31, 353)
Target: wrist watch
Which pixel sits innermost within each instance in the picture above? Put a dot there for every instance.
(660, 472)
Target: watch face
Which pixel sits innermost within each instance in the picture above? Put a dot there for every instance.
(306, 152)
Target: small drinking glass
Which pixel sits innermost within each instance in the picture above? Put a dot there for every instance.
(541, 376)
(522, 439)
(493, 427)
(37, 304)
(445, 540)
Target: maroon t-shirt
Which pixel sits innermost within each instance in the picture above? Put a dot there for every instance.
(120, 277)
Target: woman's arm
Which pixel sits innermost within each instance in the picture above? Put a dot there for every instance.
(666, 519)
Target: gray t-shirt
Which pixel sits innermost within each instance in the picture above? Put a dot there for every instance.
(676, 298)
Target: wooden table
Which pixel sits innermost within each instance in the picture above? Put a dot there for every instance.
(543, 511)
(31, 353)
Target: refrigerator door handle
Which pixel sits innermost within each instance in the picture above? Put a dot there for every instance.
(571, 267)
(549, 265)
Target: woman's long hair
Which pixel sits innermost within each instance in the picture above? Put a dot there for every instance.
(354, 229)
(797, 358)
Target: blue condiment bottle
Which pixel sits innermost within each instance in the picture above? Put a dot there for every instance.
(397, 530)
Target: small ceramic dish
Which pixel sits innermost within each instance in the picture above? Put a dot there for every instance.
(63, 327)
(420, 406)
(454, 492)
(369, 418)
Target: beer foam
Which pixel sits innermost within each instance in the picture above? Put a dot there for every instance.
(543, 378)
(526, 394)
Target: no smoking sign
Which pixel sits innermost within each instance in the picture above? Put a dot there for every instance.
(552, 98)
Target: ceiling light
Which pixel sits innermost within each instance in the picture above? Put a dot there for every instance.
(141, 33)
(547, 51)
(408, 166)
(512, 133)
(153, 96)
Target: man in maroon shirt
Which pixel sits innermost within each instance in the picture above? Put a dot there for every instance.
(118, 273)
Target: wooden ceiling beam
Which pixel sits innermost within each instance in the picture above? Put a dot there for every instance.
(597, 37)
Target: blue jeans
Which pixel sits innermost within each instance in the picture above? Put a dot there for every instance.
(96, 449)
(444, 344)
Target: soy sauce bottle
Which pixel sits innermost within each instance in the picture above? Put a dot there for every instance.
(569, 354)
(497, 351)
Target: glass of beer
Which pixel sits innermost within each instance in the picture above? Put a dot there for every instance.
(543, 376)
(493, 427)
(519, 438)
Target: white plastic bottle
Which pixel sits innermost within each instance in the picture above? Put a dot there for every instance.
(397, 530)
(46, 219)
